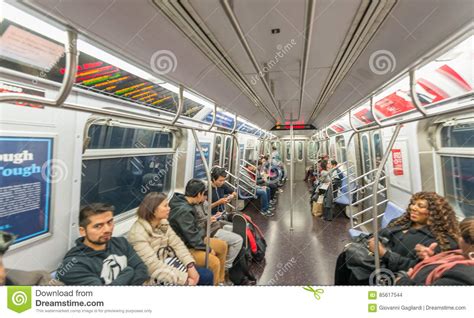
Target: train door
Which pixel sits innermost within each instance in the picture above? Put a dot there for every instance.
(371, 152)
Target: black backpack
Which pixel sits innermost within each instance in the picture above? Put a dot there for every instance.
(240, 270)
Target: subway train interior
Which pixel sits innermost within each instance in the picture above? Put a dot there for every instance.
(106, 101)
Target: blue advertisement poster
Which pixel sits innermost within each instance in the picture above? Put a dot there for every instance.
(25, 185)
(199, 171)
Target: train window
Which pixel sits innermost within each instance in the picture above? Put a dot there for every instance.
(457, 144)
(124, 181)
(217, 151)
(113, 137)
(378, 148)
(366, 158)
(299, 150)
(458, 178)
(332, 150)
(122, 178)
(458, 136)
(288, 150)
(341, 149)
(312, 150)
(228, 151)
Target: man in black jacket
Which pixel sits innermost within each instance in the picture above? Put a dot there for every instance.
(183, 220)
(98, 258)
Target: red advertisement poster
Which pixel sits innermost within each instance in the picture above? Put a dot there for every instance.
(397, 162)
(393, 104)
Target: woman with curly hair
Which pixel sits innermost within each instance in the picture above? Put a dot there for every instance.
(428, 224)
(455, 267)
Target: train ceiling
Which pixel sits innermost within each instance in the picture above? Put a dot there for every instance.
(212, 61)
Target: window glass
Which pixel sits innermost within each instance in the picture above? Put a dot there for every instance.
(299, 149)
(113, 137)
(288, 150)
(367, 162)
(341, 149)
(459, 136)
(217, 151)
(227, 154)
(124, 182)
(378, 148)
(311, 150)
(458, 178)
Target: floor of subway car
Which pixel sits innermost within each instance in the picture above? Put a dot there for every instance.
(305, 256)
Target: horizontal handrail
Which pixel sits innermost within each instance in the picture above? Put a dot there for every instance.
(249, 163)
(248, 170)
(368, 221)
(369, 196)
(371, 207)
(367, 185)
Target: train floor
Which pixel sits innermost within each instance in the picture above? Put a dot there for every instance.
(305, 256)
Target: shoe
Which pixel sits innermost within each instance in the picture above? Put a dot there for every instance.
(271, 208)
(269, 213)
(248, 282)
(280, 190)
(273, 201)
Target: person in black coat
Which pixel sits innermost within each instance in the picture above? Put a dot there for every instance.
(429, 222)
(447, 268)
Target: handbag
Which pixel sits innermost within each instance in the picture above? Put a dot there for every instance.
(317, 208)
(359, 259)
(168, 256)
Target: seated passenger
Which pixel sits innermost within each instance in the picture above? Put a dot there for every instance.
(454, 267)
(167, 258)
(429, 219)
(183, 220)
(263, 192)
(336, 174)
(221, 230)
(18, 277)
(98, 258)
(263, 179)
(221, 193)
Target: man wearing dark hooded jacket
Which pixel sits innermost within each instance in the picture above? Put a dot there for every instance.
(98, 258)
(183, 220)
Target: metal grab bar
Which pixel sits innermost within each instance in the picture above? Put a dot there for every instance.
(72, 54)
(248, 184)
(366, 222)
(371, 207)
(249, 163)
(369, 196)
(180, 105)
(250, 171)
(230, 184)
(366, 186)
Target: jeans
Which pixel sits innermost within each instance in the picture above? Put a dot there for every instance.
(234, 242)
(206, 278)
(263, 194)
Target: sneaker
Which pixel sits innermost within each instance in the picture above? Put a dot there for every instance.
(280, 190)
(269, 213)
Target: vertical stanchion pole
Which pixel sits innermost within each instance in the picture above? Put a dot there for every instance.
(292, 155)
(209, 195)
